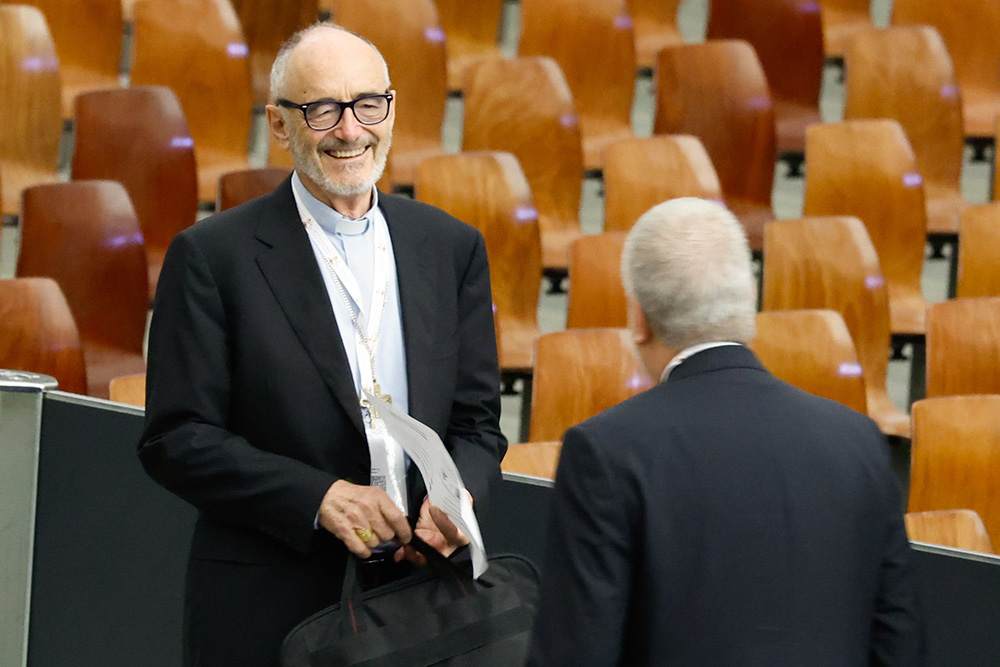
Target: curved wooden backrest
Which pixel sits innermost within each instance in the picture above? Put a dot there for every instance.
(29, 103)
(237, 187)
(717, 92)
(979, 252)
(266, 25)
(88, 38)
(578, 373)
(139, 137)
(539, 459)
(640, 173)
(596, 296)
(488, 190)
(788, 38)
(472, 35)
(129, 389)
(410, 38)
(841, 20)
(866, 168)
(655, 25)
(961, 529)
(593, 43)
(996, 166)
(830, 263)
(196, 48)
(85, 235)
(969, 29)
(813, 350)
(523, 106)
(906, 74)
(955, 456)
(963, 347)
(37, 332)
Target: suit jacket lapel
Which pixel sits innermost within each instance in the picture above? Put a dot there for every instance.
(290, 269)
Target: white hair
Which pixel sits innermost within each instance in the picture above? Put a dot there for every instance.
(687, 262)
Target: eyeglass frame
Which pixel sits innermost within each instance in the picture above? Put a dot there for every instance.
(304, 108)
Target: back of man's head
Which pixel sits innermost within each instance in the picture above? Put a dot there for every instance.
(687, 264)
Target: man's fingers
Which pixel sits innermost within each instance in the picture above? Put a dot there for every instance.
(449, 530)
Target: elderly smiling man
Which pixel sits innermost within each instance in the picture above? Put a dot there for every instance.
(269, 320)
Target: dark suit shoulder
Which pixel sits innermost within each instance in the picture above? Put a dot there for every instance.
(435, 220)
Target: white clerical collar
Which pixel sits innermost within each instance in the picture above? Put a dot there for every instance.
(688, 352)
(332, 221)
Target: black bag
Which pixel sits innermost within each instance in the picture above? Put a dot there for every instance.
(438, 616)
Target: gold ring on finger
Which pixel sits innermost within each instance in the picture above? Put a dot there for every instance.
(364, 534)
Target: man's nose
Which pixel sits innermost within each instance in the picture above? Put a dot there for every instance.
(348, 129)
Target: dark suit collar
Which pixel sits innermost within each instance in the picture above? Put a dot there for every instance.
(715, 359)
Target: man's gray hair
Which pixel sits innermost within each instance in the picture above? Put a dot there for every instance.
(687, 262)
(279, 69)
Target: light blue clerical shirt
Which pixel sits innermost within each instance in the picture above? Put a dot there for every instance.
(355, 241)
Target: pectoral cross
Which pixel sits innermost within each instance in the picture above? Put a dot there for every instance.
(377, 390)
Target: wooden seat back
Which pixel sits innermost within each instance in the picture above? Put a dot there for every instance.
(130, 389)
(963, 347)
(196, 48)
(655, 25)
(596, 296)
(139, 137)
(979, 252)
(642, 172)
(237, 187)
(578, 373)
(906, 74)
(38, 334)
(592, 41)
(866, 169)
(955, 456)
(539, 459)
(830, 263)
(813, 350)
(717, 92)
(30, 103)
(841, 20)
(961, 529)
(471, 35)
(523, 106)
(488, 190)
(787, 36)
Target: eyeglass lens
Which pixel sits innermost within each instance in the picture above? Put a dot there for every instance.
(324, 114)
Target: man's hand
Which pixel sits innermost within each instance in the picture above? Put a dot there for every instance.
(436, 529)
(348, 509)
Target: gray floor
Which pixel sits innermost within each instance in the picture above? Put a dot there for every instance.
(787, 197)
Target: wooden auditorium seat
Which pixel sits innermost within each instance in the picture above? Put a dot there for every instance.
(410, 38)
(593, 43)
(578, 373)
(866, 168)
(85, 236)
(829, 262)
(488, 190)
(841, 20)
(139, 137)
(963, 347)
(960, 529)
(717, 91)
(130, 389)
(538, 459)
(996, 166)
(654, 23)
(788, 38)
(238, 187)
(596, 296)
(266, 25)
(30, 103)
(969, 29)
(38, 334)
(641, 172)
(471, 35)
(196, 48)
(813, 350)
(979, 252)
(906, 74)
(955, 456)
(524, 106)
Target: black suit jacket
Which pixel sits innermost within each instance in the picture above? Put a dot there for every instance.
(251, 411)
(726, 518)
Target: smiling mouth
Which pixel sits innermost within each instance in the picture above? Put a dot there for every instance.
(345, 155)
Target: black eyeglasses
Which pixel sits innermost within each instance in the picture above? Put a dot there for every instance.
(325, 114)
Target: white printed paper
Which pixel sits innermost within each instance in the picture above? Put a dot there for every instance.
(444, 483)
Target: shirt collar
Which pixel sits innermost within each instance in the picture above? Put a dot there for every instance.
(689, 352)
(330, 220)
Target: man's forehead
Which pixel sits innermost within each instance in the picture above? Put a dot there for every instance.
(333, 58)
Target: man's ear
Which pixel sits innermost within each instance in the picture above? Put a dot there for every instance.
(276, 122)
(638, 323)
